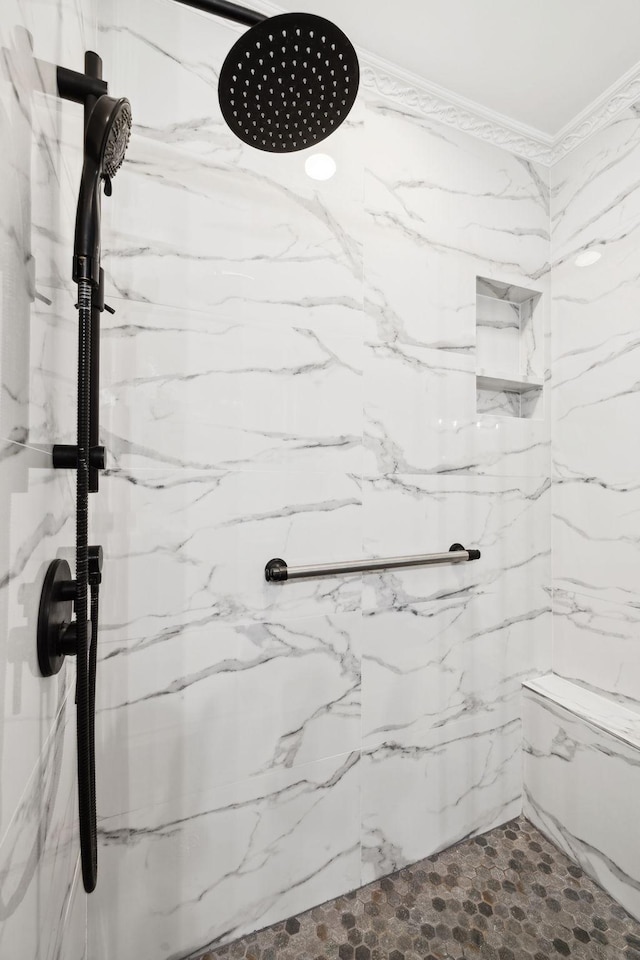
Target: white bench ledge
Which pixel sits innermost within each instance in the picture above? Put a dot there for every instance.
(600, 710)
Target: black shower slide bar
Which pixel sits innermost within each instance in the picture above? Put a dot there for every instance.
(277, 571)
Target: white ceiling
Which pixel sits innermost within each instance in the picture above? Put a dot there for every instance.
(539, 62)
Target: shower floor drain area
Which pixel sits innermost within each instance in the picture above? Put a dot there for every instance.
(507, 895)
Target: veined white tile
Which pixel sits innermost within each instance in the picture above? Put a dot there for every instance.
(431, 665)
(229, 712)
(43, 906)
(595, 188)
(595, 360)
(421, 418)
(183, 50)
(180, 387)
(441, 698)
(597, 643)
(229, 239)
(270, 242)
(418, 296)
(423, 795)
(37, 511)
(596, 548)
(579, 757)
(506, 519)
(429, 187)
(261, 696)
(46, 131)
(572, 772)
(74, 935)
(615, 716)
(36, 221)
(41, 385)
(61, 30)
(188, 547)
(498, 332)
(217, 865)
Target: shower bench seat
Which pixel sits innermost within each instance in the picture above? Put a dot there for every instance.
(582, 779)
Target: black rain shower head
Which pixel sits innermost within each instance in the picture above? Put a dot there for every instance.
(105, 144)
(288, 82)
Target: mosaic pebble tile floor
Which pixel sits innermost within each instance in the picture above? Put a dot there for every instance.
(507, 895)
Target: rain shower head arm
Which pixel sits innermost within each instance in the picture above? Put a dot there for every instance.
(230, 11)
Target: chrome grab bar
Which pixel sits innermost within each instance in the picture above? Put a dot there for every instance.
(277, 571)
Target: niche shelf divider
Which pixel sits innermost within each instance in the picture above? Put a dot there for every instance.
(509, 350)
(505, 382)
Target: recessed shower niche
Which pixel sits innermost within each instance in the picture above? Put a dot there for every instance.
(509, 350)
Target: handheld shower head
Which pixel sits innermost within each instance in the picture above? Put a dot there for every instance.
(288, 82)
(105, 144)
(108, 133)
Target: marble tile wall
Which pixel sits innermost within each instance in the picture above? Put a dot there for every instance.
(290, 372)
(42, 908)
(581, 726)
(581, 775)
(596, 457)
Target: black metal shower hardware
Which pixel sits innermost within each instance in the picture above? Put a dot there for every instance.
(286, 84)
(277, 571)
(107, 124)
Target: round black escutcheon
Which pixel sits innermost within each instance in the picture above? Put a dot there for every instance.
(54, 617)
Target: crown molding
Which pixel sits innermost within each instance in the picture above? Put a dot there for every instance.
(611, 103)
(430, 100)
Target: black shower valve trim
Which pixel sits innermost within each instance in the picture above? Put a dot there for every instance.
(57, 631)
